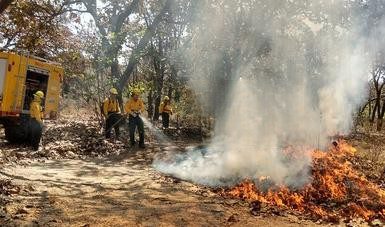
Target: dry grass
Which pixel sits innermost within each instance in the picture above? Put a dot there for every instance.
(371, 153)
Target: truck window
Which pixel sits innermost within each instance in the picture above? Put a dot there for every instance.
(36, 80)
(3, 67)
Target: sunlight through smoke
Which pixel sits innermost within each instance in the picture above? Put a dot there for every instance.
(297, 87)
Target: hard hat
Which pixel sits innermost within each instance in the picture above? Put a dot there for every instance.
(166, 98)
(39, 94)
(113, 91)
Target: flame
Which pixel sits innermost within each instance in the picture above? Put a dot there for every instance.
(336, 190)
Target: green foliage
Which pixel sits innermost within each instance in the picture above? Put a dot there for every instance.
(89, 55)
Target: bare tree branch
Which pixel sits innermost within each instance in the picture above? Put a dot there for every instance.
(137, 53)
(91, 9)
(124, 15)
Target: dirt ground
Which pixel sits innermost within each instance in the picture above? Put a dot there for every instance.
(120, 190)
(79, 181)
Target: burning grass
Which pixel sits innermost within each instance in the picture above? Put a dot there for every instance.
(337, 190)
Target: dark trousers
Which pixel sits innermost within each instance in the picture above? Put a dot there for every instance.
(113, 121)
(35, 133)
(165, 119)
(133, 123)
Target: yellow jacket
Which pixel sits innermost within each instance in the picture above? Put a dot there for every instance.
(165, 108)
(134, 106)
(36, 111)
(110, 106)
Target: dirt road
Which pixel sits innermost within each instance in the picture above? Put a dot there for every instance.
(120, 191)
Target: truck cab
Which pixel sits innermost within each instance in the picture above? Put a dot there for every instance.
(21, 75)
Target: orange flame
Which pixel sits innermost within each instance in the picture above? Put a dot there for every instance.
(336, 189)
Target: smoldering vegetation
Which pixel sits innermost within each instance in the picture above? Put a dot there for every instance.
(281, 77)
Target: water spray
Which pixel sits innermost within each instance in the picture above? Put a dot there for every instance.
(156, 131)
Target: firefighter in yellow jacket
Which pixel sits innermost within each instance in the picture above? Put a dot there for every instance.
(111, 111)
(133, 108)
(36, 119)
(165, 110)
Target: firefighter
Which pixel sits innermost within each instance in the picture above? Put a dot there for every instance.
(36, 119)
(134, 108)
(111, 111)
(165, 110)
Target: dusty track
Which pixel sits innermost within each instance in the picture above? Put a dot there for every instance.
(120, 191)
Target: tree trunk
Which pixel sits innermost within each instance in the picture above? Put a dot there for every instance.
(158, 94)
(115, 70)
(370, 108)
(156, 112)
(379, 124)
(378, 103)
(174, 74)
(159, 69)
(150, 105)
(381, 117)
(99, 98)
(136, 54)
(373, 115)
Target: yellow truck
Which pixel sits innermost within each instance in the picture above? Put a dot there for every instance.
(21, 75)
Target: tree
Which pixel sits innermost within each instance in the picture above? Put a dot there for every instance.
(37, 26)
(372, 14)
(111, 22)
(117, 30)
(137, 52)
(41, 28)
(378, 82)
(160, 59)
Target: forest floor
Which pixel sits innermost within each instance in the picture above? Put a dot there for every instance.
(70, 183)
(122, 190)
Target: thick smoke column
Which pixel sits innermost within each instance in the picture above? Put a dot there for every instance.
(288, 81)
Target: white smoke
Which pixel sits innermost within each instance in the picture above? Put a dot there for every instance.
(293, 82)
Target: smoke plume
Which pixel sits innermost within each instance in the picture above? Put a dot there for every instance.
(281, 77)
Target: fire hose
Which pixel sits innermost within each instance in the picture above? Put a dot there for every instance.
(135, 114)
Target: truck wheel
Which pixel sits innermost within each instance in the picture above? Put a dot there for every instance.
(16, 134)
